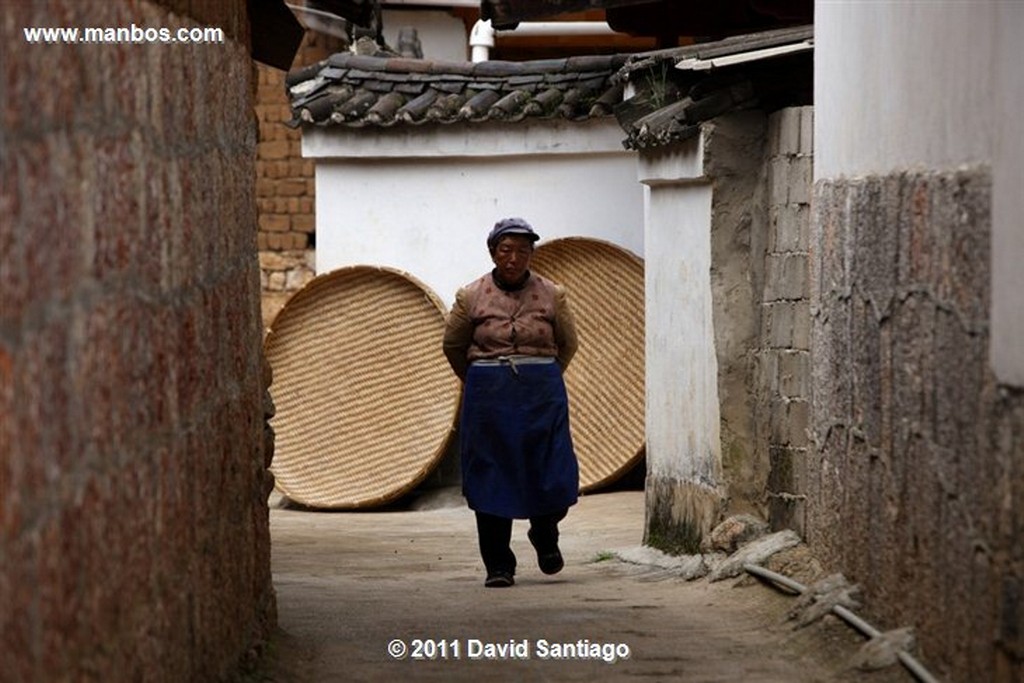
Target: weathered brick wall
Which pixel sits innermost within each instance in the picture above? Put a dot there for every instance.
(286, 197)
(783, 397)
(917, 489)
(133, 524)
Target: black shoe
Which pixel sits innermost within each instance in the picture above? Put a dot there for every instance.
(499, 579)
(550, 559)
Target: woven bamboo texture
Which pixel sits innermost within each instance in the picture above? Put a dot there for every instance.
(365, 399)
(606, 378)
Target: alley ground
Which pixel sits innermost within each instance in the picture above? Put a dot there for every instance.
(352, 585)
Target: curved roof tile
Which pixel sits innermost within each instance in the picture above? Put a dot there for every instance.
(359, 90)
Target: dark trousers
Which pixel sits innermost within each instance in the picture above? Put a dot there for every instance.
(495, 536)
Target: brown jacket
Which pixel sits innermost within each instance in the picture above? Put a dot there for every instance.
(487, 321)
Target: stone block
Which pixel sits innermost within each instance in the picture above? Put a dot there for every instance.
(266, 187)
(303, 223)
(767, 371)
(798, 423)
(297, 168)
(778, 181)
(277, 281)
(296, 240)
(793, 374)
(292, 188)
(789, 422)
(732, 533)
(276, 149)
(296, 279)
(787, 325)
(755, 552)
(790, 228)
(778, 318)
(279, 260)
(784, 132)
(781, 469)
(802, 326)
(806, 130)
(786, 277)
(274, 223)
(800, 179)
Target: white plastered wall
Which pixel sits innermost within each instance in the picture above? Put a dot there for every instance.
(422, 200)
(442, 35)
(683, 439)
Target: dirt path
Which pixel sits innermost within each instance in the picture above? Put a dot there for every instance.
(349, 585)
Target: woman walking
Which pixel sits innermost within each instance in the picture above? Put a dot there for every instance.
(509, 337)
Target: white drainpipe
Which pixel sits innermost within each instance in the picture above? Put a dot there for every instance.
(481, 38)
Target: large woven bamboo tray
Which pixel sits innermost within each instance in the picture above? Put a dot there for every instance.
(365, 399)
(605, 380)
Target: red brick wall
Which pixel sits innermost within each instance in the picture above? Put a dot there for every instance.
(134, 537)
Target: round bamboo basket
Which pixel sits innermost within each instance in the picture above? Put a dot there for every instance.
(605, 380)
(365, 399)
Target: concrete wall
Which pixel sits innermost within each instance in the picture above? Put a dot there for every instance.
(783, 354)
(705, 227)
(734, 163)
(684, 456)
(133, 522)
(917, 491)
(423, 200)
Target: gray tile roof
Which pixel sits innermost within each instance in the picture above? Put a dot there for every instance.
(359, 91)
(667, 105)
(753, 71)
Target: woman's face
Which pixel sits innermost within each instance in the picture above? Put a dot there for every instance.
(512, 257)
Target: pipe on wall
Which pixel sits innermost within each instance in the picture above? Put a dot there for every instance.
(481, 38)
(908, 660)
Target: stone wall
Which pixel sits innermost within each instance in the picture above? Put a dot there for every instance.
(134, 538)
(916, 491)
(285, 188)
(783, 394)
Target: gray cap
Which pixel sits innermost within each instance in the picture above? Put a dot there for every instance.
(510, 226)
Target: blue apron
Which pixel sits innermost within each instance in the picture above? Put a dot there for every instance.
(517, 455)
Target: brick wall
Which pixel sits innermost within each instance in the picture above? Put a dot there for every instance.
(285, 192)
(133, 524)
(784, 353)
(917, 489)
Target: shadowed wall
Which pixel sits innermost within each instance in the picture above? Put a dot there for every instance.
(134, 537)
